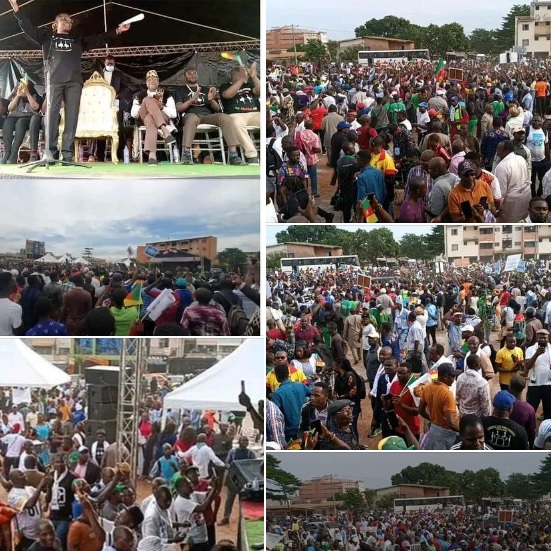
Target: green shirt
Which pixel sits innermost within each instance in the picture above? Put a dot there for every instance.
(124, 318)
(393, 109)
(498, 107)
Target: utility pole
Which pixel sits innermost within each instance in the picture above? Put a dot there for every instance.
(333, 494)
(294, 44)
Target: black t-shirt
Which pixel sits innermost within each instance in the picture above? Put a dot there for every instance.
(338, 139)
(504, 434)
(64, 50)
(65, 498)
(37, 547)
(202, 105)
(243, 102)
(346, 168)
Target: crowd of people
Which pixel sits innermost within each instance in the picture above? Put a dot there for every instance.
(406, 144)
(174, 114)
(69, 488)
(452, 360)
(440, 530)
(49, 300)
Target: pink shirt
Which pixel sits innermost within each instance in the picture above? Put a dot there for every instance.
(308, 141)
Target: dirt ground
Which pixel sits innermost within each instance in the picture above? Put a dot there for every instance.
(364, 422)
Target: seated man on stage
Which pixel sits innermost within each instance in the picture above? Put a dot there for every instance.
(155, 108)
(64, 51)
(123, 100)
(240, 99)
(199, 106)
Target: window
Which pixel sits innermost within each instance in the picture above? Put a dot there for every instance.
(530, 244)
(525, 27)
(486, 231)
(537, 8)
(525, 42)
(486, 245)
(455, 247)
(517, 243)
(454, 232)
(537, 38)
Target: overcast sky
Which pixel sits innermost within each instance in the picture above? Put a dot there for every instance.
(399, 230)
(376, 468)
(112, 215)
(340, 19)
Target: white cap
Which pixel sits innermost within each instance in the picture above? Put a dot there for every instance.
(383, 290)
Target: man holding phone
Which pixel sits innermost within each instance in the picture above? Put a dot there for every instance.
(470, 198)
(537, 368)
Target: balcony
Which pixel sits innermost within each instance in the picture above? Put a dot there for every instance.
(487, 238)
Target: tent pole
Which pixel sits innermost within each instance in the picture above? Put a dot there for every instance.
(105, 25)
(183, 20)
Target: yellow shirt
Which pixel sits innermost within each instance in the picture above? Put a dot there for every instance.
(295, 375)
(65, 413)
(504, 357)
(384, 162)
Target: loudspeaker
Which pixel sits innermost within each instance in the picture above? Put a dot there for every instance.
(244, 471)
(102, 394)
(109, 426)
(104, 375)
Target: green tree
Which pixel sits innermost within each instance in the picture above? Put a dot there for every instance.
(475, 485)
(354, 500)
(273, 261)
(435, 242)
(351, 53)
(543, 477)
(315, 51)
(483, 41)
(522, 486)
(389, 26)
(370, 496)
(280, 483)
(424, 473)
(232, 259)
(386, 502)
(306, 233)
(332, 47)
(505, 35)
(447, 38)
(412, 246)
(374, 244)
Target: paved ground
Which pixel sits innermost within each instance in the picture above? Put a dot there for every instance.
(364, 423)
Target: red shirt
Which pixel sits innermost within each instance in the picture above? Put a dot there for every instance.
(277, 334)
(412, 421)
(365, 133)
(505, 298)
(317, 117)
(145, 428)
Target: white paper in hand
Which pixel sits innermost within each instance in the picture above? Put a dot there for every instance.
(160, 304)
(134, 19)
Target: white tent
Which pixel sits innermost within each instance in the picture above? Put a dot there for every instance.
(20, 366)
(219, 386)
(64, 259)
(49, 258)
(82, 261)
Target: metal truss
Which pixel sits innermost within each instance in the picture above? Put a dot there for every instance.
(138, 51)
(130, 378)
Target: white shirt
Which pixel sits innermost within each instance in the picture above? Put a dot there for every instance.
(16, 417)
(169, 109)
(28, 519)
(271, 214)
(10, 317)
(540, 374)
(15, 444)
(202, 456)
(184, 510)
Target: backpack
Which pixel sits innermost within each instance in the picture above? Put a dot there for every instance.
(360, 384)
(237, 320)
(273, 160)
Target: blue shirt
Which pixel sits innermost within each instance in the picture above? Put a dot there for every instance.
(48, 328)
(433, 315)
(371, 180)
(165, 469)
(289, 397)
(391, 340)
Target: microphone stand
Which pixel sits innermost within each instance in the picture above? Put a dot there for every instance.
(48, 159)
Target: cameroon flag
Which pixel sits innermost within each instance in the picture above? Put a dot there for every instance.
(369, 214)
(134, 297)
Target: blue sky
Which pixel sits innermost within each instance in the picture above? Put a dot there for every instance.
(399, 230)
(340, 20)
(110, 216)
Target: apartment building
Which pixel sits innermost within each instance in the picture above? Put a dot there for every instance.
(283, 38)
(533, 32)
(487, 243)
(324, 487)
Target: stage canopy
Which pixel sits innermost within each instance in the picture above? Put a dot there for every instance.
(20, 366)
(173, 35)
(49, 258)
(219, 386)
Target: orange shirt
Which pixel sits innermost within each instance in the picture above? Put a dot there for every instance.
(459, 194)
(65, 413)
(82, 537)
(541, 89)
(439, 399)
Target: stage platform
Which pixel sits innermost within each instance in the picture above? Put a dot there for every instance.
(133, 171)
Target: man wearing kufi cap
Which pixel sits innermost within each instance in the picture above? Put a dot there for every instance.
(155, 108)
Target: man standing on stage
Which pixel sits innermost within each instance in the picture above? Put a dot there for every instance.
(64, 51)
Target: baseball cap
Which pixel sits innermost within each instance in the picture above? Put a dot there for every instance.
(336, 406)
(516, 128)
(360, 105)
(285, 90)
(374, 335)
(544, 432)
(83, 449)
(424, 104)
(542, 331)
(447, 369)
(464, 167)
(433, 113)
(393, 443)
(467, 328)
(342, 125)
(504, 400)
(440, 92)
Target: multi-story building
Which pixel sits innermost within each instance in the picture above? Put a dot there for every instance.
(413, 490)
(487, 243)
(283, 38)
(325, 487)
(200, 246)
(533, 32)
(33, 249)
(297, 250)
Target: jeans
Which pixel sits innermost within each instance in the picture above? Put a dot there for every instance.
(61, 531)
(14, 130)
(313, 175)
(539, 168)
(537, 394)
